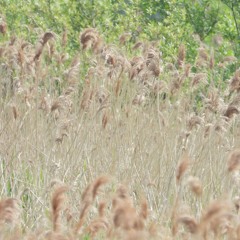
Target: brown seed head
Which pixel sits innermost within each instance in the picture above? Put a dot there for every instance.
(199, 78)
(215, 209)
(58, 199)
(195, 185)
(15, 112)
(124, 38)
(202, 58)
(46, 37)
(90, 38)
(56, 105)
(104, 120)
(187, 69)
(182, 167)
(3, 28)
(144, 210)
(190, 223)
(126, 218)
(96, 225)
(88, 197)
(137, 45)
(234, 160)
(237, 203)
(235, 81)
(181, 55)
(9, 210)
(2, 50)
(64, 38)
(229, 60)
(193, 121)
(212, 60)
(97, 184)
(203, 53)
(217, 40)
(101, 209)
(231, 110)
(12, 40)
(100, 223)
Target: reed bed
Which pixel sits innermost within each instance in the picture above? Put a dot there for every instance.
(162, 134)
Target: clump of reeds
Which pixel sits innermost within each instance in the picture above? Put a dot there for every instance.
(133, 104)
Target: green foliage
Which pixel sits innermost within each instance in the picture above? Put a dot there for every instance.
(170, 21)
(234, 34)
(203, 16)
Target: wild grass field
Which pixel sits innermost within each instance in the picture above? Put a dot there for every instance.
(116, 142)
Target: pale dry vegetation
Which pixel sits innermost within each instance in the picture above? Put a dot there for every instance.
(167, 130)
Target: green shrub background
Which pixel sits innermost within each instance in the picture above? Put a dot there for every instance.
(169, 21)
